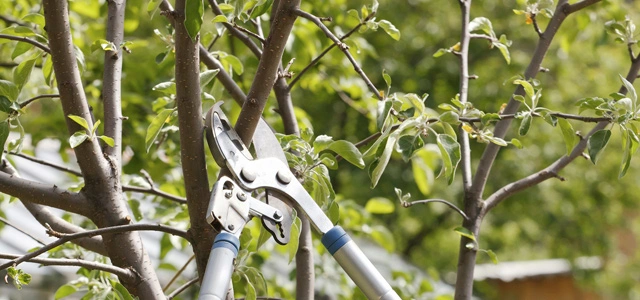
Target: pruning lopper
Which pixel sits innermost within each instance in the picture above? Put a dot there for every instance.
(232, 205)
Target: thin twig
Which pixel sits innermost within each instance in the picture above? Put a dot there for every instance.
(579, 5)
(46, 163)
(427, 201)
(324, 52)
(63, 238)
(26, 40)
(154, 191)
(10, 21)
(247, 31)
(8, 223)
(535, 25)
(182, 288)
(28, 101)
(166, 287)
(91, 265)
(342, 47)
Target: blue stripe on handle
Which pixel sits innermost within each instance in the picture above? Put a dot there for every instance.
(227, 240)
(334, 239)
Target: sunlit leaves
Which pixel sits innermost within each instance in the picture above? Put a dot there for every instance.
(156, 125)
(450, 152)
(104, 45)
(22, 72)
(423, 164)
(597, 142)
(390, 29)
(9, 90)
(4, 134)
(624, 31)
(484, 25)
(20, 278)
(525, 124)
(194, 10)
(568, 134)
(89, 133)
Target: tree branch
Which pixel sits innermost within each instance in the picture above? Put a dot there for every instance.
(29, 101)
(173, 279)
(579, 5)
(8, 223)
(465, 37)
(325, 51)
(194, 166)
(491, 151)
(91, 265)
(74, 102)
(63, 238)
(26, 40)
(112, 80)
(237, 33)
(266, 74)
(407, 204)
(342, 47)
(8, 21)
(552, 170)
(535, 25)
(46, 163)
(40, 193)
(154, 191)
(182, 288)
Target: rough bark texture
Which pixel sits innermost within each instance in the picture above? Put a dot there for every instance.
(192, 137)
(100, 172)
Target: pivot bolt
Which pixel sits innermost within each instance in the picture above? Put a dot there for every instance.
(277, 215)
(242, 196)
(231, 227)
(248, 174)
(228, 194)
(283, 177)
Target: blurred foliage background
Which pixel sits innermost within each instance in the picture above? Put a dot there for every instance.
(583, 216)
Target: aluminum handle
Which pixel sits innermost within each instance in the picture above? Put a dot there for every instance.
(215, 284)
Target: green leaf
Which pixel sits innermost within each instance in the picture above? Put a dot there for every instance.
(569, 135)
(481, 23)
(156, 125)
(505, 51)
(65, 291)
(451, 117)
(121, 290)
(390, 29)
(249, 290)
(348, 151)
(629, 146)
(207, 76)
(354, 13)
(387, 78)
(295, 238)
(630, 89)
(22, 72)
(95, 127)
(20, 49)
(377, 167)
(408, 144)
(6, 104)
(167, 88)
(104, 45)
(80, 121)
(384, 108)
(35, 18)
(465, 232)
(379, 205)
(597, 142)
(47, 71)
(194, 10)
(135, 208)
(261, 8)
(78, 138)
(4, 134)
(9, 89)
(492, 256)
(152, 7)
(525, 124)
(441, 52)
(423, 164)
(450, 151)
(516, 143)
(220, 19)
(236, 64)
(528, 88)
(321, 143)
(107, 140)
(334, 212)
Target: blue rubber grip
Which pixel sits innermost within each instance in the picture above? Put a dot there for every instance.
(227, 240)
(334, 239)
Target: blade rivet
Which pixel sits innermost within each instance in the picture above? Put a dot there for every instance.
(277, 215)
(227, 194)
(248, 174)
(283, 177)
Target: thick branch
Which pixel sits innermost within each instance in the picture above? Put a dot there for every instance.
(342, 47)
(552, 170)
(63, 238)
(111, 80)
(40, 193)
(26, 40)
(91, 265)
(72, 96)
(194, 166)
(267, 70)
